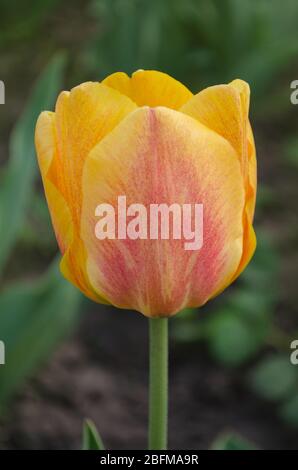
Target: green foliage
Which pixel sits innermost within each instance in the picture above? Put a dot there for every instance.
(16, 187)
(91, 438)
(200, 42)
(34, 317)
(231, 441)
(274, 378)
(289, 411)
(232, 339)
(267, 199)
(19, 20)
(134, 43)
(291, 151)
(37, 233)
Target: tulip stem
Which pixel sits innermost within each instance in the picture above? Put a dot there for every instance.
(158, 388)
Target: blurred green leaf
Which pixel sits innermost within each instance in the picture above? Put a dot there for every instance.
(289, 411)
(267, 197)
(34, 317)
(252, 305)
(231, 340)
(91, 437)
(291, 151)
(187, 313)
(274, 378)
(260, 275)
(17, 182)
(231, 441)
(200, 42)
(187, 331)
(20, 19)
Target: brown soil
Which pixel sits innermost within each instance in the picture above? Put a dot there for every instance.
(101, 373)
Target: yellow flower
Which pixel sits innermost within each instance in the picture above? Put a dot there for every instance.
(149, 138)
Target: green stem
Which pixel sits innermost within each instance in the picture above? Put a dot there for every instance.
(158, 389)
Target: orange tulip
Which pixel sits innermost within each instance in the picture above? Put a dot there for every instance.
(149, 138)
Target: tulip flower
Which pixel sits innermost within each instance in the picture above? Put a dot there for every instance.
(149, 139)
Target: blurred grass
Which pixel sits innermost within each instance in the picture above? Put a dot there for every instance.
(18, 176)
(200, 42)
(35, 315)
(20, 20)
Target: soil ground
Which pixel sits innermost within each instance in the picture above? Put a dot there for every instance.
(101, 373)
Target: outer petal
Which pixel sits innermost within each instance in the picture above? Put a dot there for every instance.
(83, 117)
(161, 156)
(249, 245)
(73, 268)
(45, 142)
(248, 146)
(252, 173)
(224, 109)
(151, 88)
(249, 239)
(73, 263)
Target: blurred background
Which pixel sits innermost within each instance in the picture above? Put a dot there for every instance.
(232, 384)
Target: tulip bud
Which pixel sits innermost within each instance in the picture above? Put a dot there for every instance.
(148, 142)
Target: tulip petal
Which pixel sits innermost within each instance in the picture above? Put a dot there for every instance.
(150, 88)
(83, 117)
(161, 156)
(45, 142)
(73, 268)
(249, 245)
(224, 109)
(73, 264)
(252, 174)
(249, 146)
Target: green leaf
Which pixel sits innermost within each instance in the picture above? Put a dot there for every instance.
(291, 151)
(274, 377)
(289, 411)
(260, 275)
(231, 339)
(34, 317)
(230, 441)
(20, 21)
(187, 331)
(187, 313)
(16, 185)
(252, 304)
(91, 437)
